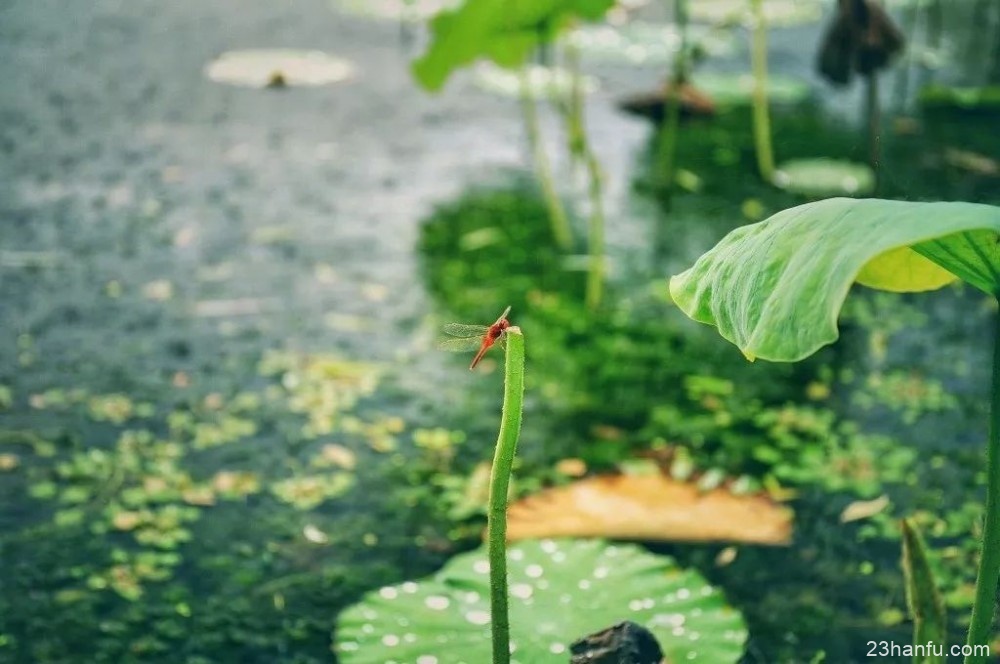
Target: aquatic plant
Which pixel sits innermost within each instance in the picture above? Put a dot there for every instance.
(503, 464)
(775, 289)
(562, 590)
(507, 35)
(761, 112)
(581, 150)
(667, 142)
(922, 596)
(561, 230)
(862, 39)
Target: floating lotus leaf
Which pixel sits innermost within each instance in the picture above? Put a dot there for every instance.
(644, 43)
(396, 10)
(263, 68)
(545, 82)
(737, 89)
(649, 507)
(560, 590)
(985, 99)
(822, 177)
(777, 13)
(775, 288)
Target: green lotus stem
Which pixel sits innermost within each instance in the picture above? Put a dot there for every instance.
(761, 114)
(561, 231)
(579, 145)
(595, 234)
(503, 462)
(576, 136)
(667, 148)
(981, 624)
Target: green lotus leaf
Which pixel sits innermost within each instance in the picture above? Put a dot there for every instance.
(903, 270)
(983, 99)
(411, 11)
(974, 256)
(775, 288)
(560, 590)
(822, 177)
(499, 30)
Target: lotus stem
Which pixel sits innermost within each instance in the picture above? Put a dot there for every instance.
(503, 462)
(561, 231)
(667, 148)
(572, 109)
(576, 128)
(595, 273)
(984, 606)
(902, 86)
(761, 114)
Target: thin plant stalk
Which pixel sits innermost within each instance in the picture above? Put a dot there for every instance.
(595, 272)
(580, 148)
(994, 74)
(561, 231)
(503, 462)
(984, 606)
(572, 109)
(874, 128)
(761, 113)
(902, 87)
(667, 144)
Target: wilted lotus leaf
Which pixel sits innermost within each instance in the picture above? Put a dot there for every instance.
(649, 507)
(862, 39)
(864, 509)
(653, 105)
(559, 591)
(264, 68)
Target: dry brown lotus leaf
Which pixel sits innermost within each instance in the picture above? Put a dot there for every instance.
(651, 508)
(652, 105)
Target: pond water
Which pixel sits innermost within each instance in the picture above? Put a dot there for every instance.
(222, 416)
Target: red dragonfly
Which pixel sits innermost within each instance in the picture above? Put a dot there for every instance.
(468, 337)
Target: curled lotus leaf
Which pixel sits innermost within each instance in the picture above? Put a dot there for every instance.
(775, 288)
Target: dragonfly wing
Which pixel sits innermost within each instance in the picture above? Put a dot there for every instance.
(459, 330)
(463, 345)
